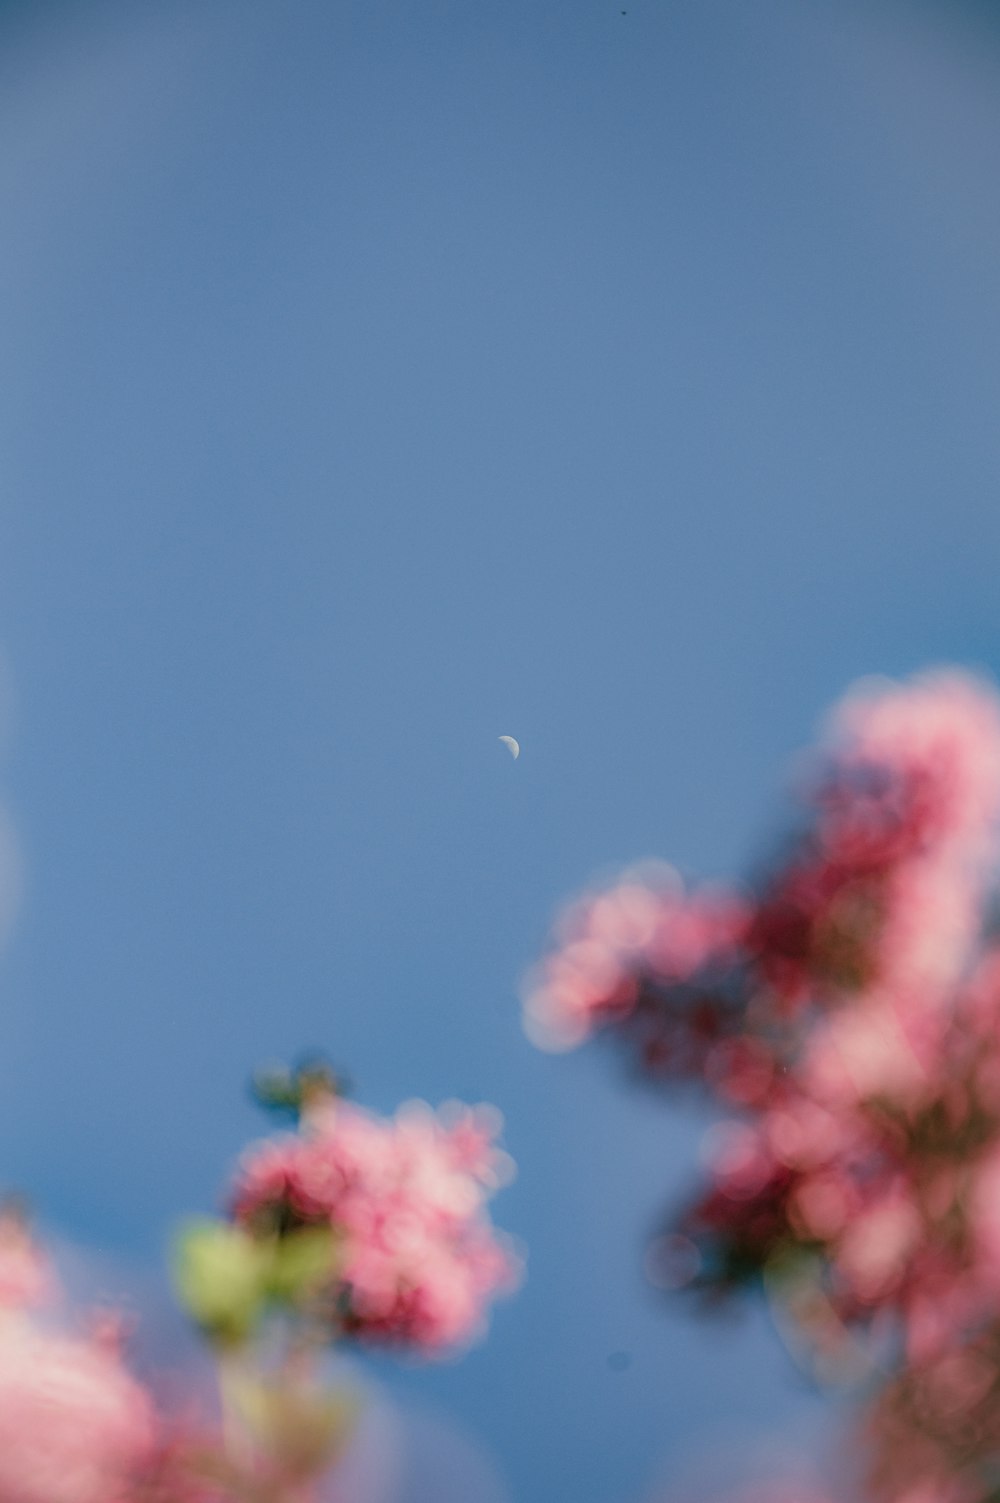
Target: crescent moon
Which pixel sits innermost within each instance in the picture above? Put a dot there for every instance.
(511, 746)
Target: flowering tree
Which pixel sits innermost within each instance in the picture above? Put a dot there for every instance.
(845, 1011)
(349, 1228)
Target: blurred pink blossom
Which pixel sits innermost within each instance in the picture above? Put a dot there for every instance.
(75, 1427)
(417, 1260)
(849, 1011)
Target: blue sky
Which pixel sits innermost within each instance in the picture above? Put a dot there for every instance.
(378, 379)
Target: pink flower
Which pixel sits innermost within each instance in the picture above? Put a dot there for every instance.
(851, 1012)
(74, 1426)
(635, 937)
(939, 735)
(869, 1050)
(417, 1260)
(871, 1255)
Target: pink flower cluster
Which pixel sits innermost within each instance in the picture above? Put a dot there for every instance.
(878, 1157)
(75, 1425)
(849, 1009)
(416, 1260)
(884, 888)
(624, 950)
(880, 892)
(353, 1226)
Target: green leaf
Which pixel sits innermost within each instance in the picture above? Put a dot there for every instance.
(220, 1276)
